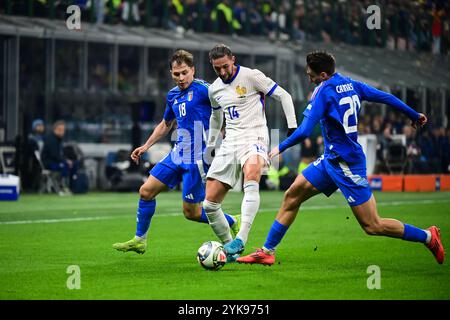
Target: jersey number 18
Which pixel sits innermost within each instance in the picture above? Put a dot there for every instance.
(182, 109)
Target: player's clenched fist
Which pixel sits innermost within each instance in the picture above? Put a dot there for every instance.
(420, 122)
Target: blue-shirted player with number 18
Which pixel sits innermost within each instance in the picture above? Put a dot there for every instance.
(336, 103)
(188, 104)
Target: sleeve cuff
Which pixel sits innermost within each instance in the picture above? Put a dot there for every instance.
(272, 90)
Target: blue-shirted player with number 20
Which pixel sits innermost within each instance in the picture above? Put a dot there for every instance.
(336, 103)
(188, 104)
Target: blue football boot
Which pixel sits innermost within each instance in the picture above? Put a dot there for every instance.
(234, 247)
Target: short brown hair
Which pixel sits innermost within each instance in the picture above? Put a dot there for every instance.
(321, 61)
(182, 56)
(219, 51)
(58, 123)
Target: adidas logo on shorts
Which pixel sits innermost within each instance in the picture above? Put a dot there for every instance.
(189, 196)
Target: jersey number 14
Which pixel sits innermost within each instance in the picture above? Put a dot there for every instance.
(353, 107)
(233, 113)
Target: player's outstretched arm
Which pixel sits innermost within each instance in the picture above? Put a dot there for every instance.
(372, 94)
(160, 131)
(297, 136)
(288, 107)
(270, 88)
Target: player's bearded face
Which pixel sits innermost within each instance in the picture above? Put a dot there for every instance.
(224, 67)
(183, 75)
(314, 77)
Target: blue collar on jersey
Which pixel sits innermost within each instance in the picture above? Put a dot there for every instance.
(234, 77)
(184, 90)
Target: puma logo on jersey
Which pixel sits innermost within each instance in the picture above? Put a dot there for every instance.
(241, 91)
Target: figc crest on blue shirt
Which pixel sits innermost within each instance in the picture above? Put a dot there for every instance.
(190, 95)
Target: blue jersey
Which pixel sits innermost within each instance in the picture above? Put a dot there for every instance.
(336, 104)
(192, 109)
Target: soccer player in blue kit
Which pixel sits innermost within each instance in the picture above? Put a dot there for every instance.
(188, 104)
(336, 103)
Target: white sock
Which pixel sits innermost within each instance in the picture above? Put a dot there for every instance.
(249, 208)
(217, 220)
(428, 236)
(267, 250)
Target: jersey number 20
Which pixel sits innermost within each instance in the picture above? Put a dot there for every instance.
(353, 106)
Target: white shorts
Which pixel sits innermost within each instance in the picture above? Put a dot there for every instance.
(230, 158)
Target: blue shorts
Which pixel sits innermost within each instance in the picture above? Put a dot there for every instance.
(327, 175)
(171, 174)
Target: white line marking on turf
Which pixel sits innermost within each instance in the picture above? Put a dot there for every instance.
(61, 220)
(172, 214)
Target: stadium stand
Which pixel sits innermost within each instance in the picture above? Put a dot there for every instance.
(417, 25)
(91, 77)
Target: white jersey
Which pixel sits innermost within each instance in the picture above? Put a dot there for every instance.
(242, 99)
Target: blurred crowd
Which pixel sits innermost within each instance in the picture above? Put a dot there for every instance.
(401, 149)
(421, 25)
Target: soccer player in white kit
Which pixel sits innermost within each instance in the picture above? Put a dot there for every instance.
(239, 94)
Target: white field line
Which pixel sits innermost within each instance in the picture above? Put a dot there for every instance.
(172, 214)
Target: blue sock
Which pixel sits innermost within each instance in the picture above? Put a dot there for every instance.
(204, 218)
(230, 219)
(275, 235)
(414, 234)
(145, 212)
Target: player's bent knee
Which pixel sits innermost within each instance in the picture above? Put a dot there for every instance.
(292, 199)
(253, 176)
(295, 194)
(190, 214)
(252, 172)
(146, 193)
(303, 186)
(299, 189)
(192, 218)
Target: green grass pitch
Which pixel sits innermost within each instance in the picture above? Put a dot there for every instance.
(324, 255)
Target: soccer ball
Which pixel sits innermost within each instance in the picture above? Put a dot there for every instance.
(211, 256)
